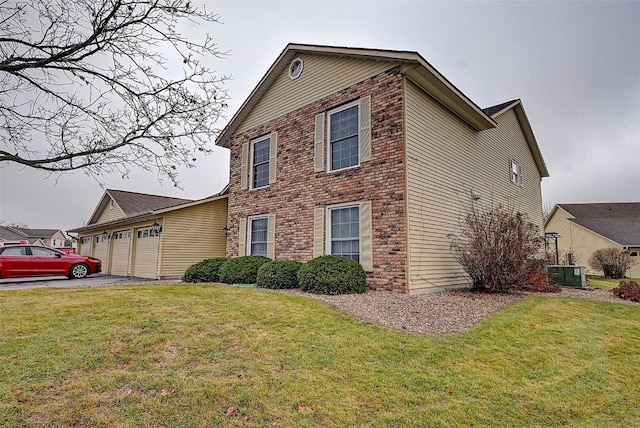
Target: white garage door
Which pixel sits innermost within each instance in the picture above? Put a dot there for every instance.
(145, 259)
(85, 246)
(120, 252)
(101, 249)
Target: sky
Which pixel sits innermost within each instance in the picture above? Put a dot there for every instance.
(575, 66)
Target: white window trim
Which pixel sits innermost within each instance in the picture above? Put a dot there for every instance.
(328, 145)
(327, 226)
(250, 226)
(518, 181)
(293, 76)
(251, 146)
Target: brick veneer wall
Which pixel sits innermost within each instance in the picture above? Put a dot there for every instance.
(298, 189)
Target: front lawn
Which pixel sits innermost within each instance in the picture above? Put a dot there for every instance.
(202, 355)
(606, 283)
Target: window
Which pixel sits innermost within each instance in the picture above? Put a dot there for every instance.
(260, 150)
(344, 232)
(258, 162)
(343, 137)
(36, 251)
(258, 233)
(14, 251)
(516, 177)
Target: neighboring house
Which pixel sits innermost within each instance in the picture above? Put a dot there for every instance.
(585, 228)
(150, 236)
(373, 155)
(47, 237)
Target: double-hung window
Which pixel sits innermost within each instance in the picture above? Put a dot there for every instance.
(344, 231)
(516, 176)
(260, 150)
(258, 235)
(343, 137)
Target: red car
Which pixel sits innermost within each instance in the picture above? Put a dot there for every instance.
(31, 260)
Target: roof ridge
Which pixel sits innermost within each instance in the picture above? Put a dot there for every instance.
(147, 194)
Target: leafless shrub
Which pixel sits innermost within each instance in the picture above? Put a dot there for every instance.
(499, 249)
(613, 262)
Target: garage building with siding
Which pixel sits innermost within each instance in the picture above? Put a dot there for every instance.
(151, 236)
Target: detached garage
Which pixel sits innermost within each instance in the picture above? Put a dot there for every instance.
(150, 236)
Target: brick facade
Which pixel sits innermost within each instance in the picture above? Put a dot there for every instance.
(298, 189)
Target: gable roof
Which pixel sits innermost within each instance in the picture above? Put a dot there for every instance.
(415, 66)
(619, 222)
(132, 203)
(8, 233)
(138, 211)
(16, 233)
(518, 109)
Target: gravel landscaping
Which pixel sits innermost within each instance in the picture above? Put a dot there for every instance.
(445, 312)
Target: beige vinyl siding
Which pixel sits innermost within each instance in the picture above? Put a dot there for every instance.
(446, 161)
(109, 214)
(574, 238)
(634, 272)
(192, 234)
(497, 147)
(58, 239)
(321, 77)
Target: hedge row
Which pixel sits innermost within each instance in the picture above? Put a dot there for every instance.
(322, 275)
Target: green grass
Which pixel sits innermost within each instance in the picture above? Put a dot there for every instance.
(606, 283)
(199, 355)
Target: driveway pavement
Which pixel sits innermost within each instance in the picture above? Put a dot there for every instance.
(64, 282)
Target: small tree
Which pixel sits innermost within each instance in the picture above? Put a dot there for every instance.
(498, 249)
(613, 262)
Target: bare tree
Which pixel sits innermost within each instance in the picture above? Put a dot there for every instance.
(546, 211)
(106, 85)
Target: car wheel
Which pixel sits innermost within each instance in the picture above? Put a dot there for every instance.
(79, 270)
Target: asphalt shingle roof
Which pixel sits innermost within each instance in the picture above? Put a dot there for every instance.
(138, 203)
(490, 111)
(619, 222)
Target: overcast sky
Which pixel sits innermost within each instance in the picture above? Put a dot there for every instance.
(574, 65)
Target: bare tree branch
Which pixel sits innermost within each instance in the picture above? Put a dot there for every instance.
(105, 86)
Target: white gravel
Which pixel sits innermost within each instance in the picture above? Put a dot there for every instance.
(442, 312)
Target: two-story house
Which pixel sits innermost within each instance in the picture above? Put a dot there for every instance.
(373, 155)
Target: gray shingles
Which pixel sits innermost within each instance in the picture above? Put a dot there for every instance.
(138, 203)
(619, 222)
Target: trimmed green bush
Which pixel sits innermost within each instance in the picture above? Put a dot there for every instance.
(279, 274)
(204, 271)
(332, 275)
(242, 270)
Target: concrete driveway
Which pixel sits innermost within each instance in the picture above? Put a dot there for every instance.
(64, 282)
